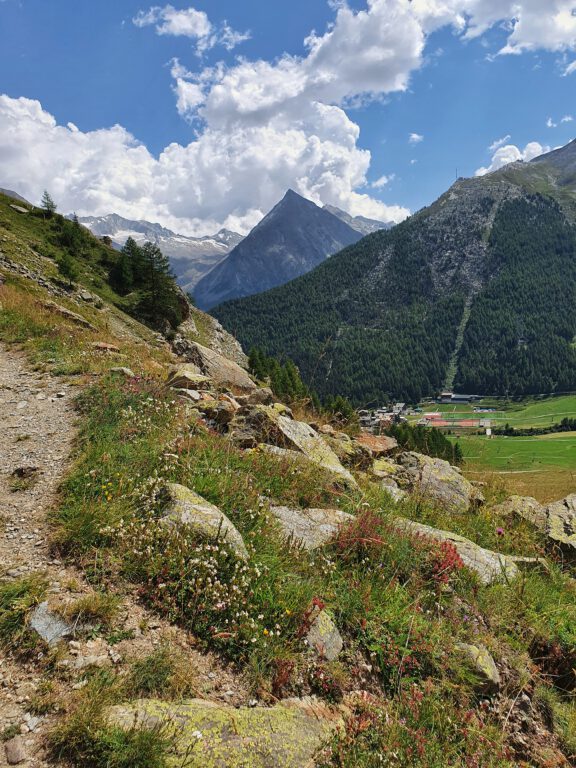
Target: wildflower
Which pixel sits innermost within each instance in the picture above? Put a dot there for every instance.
(500, 531)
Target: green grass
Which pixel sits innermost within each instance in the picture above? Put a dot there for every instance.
(530, 412)
(17, 598)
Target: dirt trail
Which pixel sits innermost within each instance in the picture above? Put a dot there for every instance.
(38, 425)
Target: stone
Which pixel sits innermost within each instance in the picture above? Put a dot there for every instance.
(488, 676)
(264, 424)
(219, 368)
(48, 625)
(123, 372)
(310, 528)
(207, 734)
(185, 507)
(440, 482)
(102, 346)
(188, 394)
(323, 637)
(378, 445)
(187, 377)
(261, 396)
(392, 488)
(15, 751)
(526, 507)
(561, 524)
(491, 567)
(349, 452)
(67, 314)
(19, 208)
(385, 468)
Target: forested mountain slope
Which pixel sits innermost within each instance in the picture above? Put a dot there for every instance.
(491, 264)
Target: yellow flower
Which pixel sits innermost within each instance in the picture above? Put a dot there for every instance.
(288, 612)
(266, 632)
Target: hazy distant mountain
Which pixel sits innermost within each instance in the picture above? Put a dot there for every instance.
(15, 195)
(292, 239)
(476, 292)
(359, 223)
(191, 257)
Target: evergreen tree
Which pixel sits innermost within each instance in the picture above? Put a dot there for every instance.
(68, 267)
(48, 205)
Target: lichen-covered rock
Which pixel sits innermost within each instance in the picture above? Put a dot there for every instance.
(485, 667)
(348, 451)
(392, 488)
(257, 424)
(491, 567)
(298, 434)
(437, 480)
(187, 376)
(206, 734)
(385, 468)
(219, 368)
(527, 508)
(185, 507)
(310, 528)
(323, 637)
(561, 524)
(261, 396)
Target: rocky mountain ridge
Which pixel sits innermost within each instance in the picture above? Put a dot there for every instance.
(291, 240)
(191, 257)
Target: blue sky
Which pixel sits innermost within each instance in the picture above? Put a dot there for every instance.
(241, 123)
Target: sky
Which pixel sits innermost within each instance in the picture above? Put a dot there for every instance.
(201, 116)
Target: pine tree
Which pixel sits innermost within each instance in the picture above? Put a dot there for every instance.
(48, 205)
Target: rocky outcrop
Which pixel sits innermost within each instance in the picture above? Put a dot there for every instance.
(206, 734)
(491, 567)
(324, 638)
(526, 507)
(268, 424)
(219, 368)
(561, 524)
(310, 528)
(557, 521)
(484, 666)
(440, 482)
(187, 376)
(187, 508)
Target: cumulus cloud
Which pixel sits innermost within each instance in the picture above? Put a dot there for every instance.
(188, 22)
(262, 126)
(532, 24)
(510, 153)
(415, 138)
(499, 143)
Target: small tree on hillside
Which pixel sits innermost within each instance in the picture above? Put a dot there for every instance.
(48, 205)
(68, 268)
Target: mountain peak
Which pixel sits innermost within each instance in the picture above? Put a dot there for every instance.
(292, 239)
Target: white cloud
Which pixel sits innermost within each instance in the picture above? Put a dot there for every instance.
(566, 119)
(383, 181)
(261, 126)
(415, 138)
(570, 68)
(511, 154)
(532, 24)
(188, 22)
(499, 143)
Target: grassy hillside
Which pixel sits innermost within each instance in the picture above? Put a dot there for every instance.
(401, 603)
